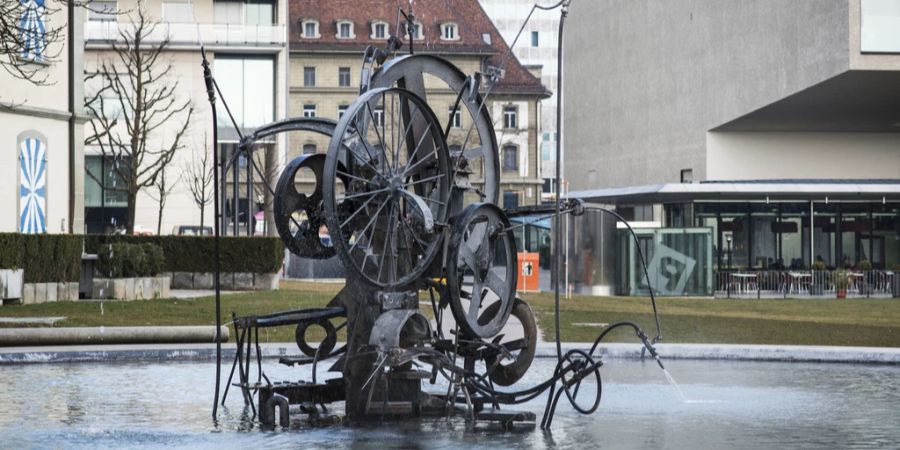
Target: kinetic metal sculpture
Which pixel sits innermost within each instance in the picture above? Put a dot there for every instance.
(406, 218)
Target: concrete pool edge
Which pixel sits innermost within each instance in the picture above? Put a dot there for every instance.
(207, 352)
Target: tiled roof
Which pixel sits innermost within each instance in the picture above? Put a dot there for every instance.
(471, 20)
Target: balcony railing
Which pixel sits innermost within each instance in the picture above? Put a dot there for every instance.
(192, 33)
(807, 283)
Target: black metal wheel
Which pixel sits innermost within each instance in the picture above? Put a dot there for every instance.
(503, 371)
(481, 269)
(325, 346)
(386, 187)
(300, 215)
(298, 212)
(474, 144)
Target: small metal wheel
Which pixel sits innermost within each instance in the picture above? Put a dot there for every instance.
(298, 212)
(325, 347)
(504, 372)
(481, 269)
(299, 215)
(386, 187)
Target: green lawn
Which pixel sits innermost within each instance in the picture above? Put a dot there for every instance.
(685, 320)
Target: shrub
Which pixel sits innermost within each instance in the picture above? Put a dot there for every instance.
(865, 265)
(818, 265)
(195, 253)
(121, 260)
(10, 251)
(46, 258)
(841, 279)
(154, 259)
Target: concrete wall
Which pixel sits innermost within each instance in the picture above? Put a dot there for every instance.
(758, 155)
(644, 79)
(42, 110)
(186, 70)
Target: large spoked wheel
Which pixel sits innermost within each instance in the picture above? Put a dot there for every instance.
(474, 144)
(481, 270)
(386, 187)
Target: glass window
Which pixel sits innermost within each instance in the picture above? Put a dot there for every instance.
(309, 110)
(510, 199)
(880, 26)
(342, 109)
(344, 76)
(345, 30)
(309, 76)
(310, 29)
(378, 112)
(309, 149)
(534, 39)
(449, 32)
(226, 12)
(102, 11)
(249, 85)
(379, 31)
(259, 12)
(178, 12)
(510, 117)
(510, 157)
(103, 182)
(687, 175)
(455, 118)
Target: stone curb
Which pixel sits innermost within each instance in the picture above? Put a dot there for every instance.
(207, 352)
(734, 352)
(108, 335)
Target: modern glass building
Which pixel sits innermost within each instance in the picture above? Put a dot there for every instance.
(772, 124)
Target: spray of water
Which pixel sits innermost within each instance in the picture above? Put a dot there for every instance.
(681, 395)
(675, 385)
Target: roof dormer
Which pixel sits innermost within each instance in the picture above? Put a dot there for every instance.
(380, 30)
(309, 29)
(449, 31)
(345, 29)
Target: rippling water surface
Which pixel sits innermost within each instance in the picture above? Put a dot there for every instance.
(725, 405)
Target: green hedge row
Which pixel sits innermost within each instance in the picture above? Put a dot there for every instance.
(46, 258)
(130, 260)
(195, 253)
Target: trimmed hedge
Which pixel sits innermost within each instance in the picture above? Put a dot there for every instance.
(46, 258)
(195, 253)
(120, 260)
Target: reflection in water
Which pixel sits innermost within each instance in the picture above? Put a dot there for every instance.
(724, 404)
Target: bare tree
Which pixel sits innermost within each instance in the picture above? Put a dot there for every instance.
(160, 192)
(267, 162)
(199, 176)
(135, 99)
(27, 43)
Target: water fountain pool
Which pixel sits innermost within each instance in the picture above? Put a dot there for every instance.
(725, 405)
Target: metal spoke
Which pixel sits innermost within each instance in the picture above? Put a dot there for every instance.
(423, 180)
(468, 258)
(374, 216)
(494, 283)
(412, 120)
(362, 194)
(475, 301)
(416, 150)
(375, 127)
(406, 172)
(348, 175)
(387, 235)
(361, 208)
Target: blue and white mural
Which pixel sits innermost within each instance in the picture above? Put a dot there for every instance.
(32, 32)
(32, 185)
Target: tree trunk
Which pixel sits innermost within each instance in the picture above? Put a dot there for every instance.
(159, 219)
(132, 208)
(202, 207)
(271, 179)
